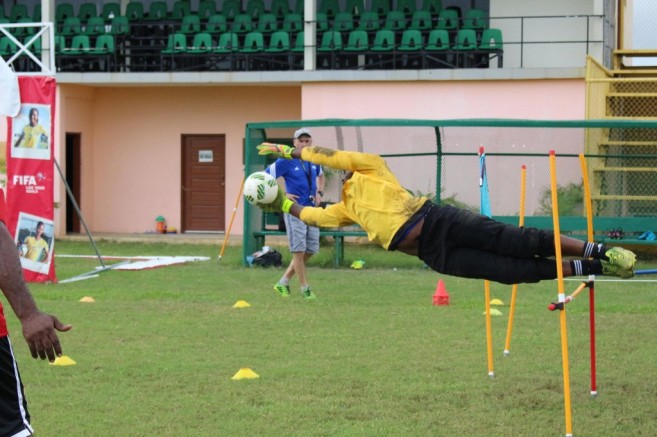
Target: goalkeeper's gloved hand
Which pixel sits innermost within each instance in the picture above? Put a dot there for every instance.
(280, 204)
(277, 150)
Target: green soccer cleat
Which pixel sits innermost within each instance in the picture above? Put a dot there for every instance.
(283, 290)
(622, 258)
(308, 294)
(610, 269)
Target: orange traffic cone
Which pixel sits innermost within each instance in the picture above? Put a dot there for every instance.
(441, 297)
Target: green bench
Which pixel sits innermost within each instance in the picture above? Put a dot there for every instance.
(337, 234)
(577, 227)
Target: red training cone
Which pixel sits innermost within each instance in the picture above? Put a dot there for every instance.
(441, 297)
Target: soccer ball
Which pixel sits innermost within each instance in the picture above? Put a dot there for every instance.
(260, 187)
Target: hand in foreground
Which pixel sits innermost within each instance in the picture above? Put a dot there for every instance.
(39, 332)
(280, 204)
(277, 150)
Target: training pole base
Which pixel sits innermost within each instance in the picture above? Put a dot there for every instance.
(491, 375)
(594, 393)
(506, 353)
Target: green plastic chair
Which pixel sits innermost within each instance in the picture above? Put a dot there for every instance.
(87, 11)
(80, 45)
(134, 11)
(395, 20)
(228, 43)
(329, 7)
(476, 19)
(216, 24)
(242, 24)
(355, 7)
(381, 7)
(466, 39)
(120, 26)
(64, 11)
(157, 11)
(202, 43)
(267, 23)
(384, 41)
(293, 23)
(36, 13)
(437, 49)
(191, 24)
(176, 43)
(448, 19)
(369, 21)
(432, 6)
(230, 9)
(180, 9)
(20, 32)
(110, 10)
(299, 43)
(343, 22)
(421, 20)
(406, 7)
(279, 42)
(206, 9)
(254, 42)
(322, 22)
(18, 11)
(94, 26)
(71, 26)
(299, 7)
(7, 46)
(104, 45)
(411, 40)
(255, 8)
(331, 41)
(491, 39)
(59, 44)
(280, 8)
(358, 41)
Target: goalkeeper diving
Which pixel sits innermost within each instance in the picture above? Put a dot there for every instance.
(450, 240)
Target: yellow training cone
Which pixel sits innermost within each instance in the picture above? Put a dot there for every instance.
(493, 312)
(63, 361)
(241, 304)
(245, 373)
(87, 299)
(496, 302)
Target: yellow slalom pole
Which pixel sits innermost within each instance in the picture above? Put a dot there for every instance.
(232, 219)
(589, 234)
(489, 330)
(514, 290)
(562, 296)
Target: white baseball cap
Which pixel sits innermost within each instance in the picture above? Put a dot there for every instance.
(302, 131)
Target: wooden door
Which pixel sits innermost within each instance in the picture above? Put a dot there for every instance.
(203, 183)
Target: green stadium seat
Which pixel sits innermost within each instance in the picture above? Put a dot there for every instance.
(421, 20)
(357, 44)
(395, 20)
(491, 43)
(355, 7)
(322, 22)
(255, 8)
(381, 7)
(267, 23)
(331, 43)
(3, 16)
(7, 47)
(293, 23)
(216, 24)
(110, 10)
(299, 7)
(230, 9)
(476, 19)
(206, 9)
(228, 42)
(407, 7)
(254, 42)
(299, 43)
(80, 45)
(104, 45)
(36, 13)
(202, 43)
(278, 51)
(180, 9)
(18, 11)
(382, 46)
(71, 26)
(329, 7)
(369, 22)
(466, 41)
(280, 8)
(343, 22)
(411, 47)
(191, 24)
(432, 6)
(64, 11)
(242, 24)
(437, 49)
(157, 11)
(94, 26)
(448, 19)
(86, 11)
(119, 26)
(176, 43)
(134, 11)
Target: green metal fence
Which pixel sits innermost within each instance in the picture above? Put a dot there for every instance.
(439, 158)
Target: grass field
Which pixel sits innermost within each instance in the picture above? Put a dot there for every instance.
(370, 357)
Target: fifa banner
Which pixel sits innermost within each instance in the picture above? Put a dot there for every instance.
(30, 171)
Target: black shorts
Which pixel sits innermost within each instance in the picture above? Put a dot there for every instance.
(462, 243)
(14, 417)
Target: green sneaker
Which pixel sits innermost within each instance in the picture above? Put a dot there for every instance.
(611, 269)
(622, 258)
(308, 294)
(283, 290)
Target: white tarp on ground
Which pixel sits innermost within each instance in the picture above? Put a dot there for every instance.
(143, 262)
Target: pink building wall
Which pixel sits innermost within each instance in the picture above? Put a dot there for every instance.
(131, 136)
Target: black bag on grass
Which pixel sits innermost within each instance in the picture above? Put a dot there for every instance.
(268, 258)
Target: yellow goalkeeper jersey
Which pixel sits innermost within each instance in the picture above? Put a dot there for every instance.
(372, 198)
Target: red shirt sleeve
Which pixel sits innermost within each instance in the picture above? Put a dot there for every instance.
(3, 207)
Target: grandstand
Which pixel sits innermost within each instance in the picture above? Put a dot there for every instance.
(143, 86)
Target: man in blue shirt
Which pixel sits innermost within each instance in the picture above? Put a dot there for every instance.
(304, 184)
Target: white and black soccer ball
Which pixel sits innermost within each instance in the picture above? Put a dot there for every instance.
(260, 187)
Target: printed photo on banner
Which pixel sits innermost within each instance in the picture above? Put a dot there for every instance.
(31, 132)
(35, 242)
